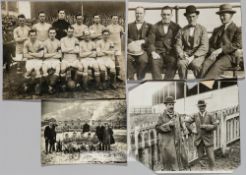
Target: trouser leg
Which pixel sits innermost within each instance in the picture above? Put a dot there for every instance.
(156, 68)
(200, 152)
(196, 66)
(217, 69)
(171, 66)
(182, 69)
(211, 158)
(142, 62)
(131, 70)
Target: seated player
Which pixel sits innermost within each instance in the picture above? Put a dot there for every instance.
(51, 63)
(70, 50)
(33, 53)
(106, 59)
(87, 59)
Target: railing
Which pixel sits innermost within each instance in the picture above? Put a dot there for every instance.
(177, 8)
(144, 141)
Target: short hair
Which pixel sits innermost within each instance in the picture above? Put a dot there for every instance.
(51, 28)
(41, 12)
(167, 8)
(70, 27)
(96, 15)
(140, 7)
(79, 14)
(105, 31)
(60, 10)
(32, 31)
(21, 16)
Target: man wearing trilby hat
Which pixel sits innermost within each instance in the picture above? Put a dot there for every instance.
(205, 124)
(225, 43)
(171, 129)
(192, 44)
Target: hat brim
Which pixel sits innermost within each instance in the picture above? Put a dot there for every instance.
(225, 11)
(135, 54)
(165, 102)
(197, 12)
(199, 105)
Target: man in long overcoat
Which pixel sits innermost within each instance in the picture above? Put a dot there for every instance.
(171, 131)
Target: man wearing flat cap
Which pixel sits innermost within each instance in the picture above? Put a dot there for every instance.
(171, 129)
(192, 44)
(225, 44)
(137, 58)
(162, 39)
(205, 123)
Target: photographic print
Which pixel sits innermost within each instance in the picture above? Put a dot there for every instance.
(185, 127)
(184, 41)
(62, 49)
(90, 131)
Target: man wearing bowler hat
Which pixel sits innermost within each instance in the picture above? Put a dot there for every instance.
(225, 44)
(192, 44)
(205, 124)
(171, 129)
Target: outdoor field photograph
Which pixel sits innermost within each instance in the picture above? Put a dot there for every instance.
(93, 132)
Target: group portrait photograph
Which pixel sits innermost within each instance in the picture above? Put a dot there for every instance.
(176, 41)
(78, 131)
(63, 49)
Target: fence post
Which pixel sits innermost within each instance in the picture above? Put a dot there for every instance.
(177, 14)
(223, 133)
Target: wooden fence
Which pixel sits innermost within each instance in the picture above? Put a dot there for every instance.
(144, 142)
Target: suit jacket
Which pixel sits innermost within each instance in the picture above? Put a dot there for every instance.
(161, 42)
(200, 44)
(206, 135)
(135, 34)
(229, 40)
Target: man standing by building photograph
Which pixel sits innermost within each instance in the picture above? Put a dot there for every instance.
(205, 124)
(169, 128)
(42, 27)
(225, 45)
(192, 44)
(162, 40)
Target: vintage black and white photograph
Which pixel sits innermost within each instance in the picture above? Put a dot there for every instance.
(93, 131)
(184, 41)
(63, 49)
(185, 127)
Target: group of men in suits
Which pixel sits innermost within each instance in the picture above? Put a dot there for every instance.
(172, 129)
(167, 46)
(68, 53)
